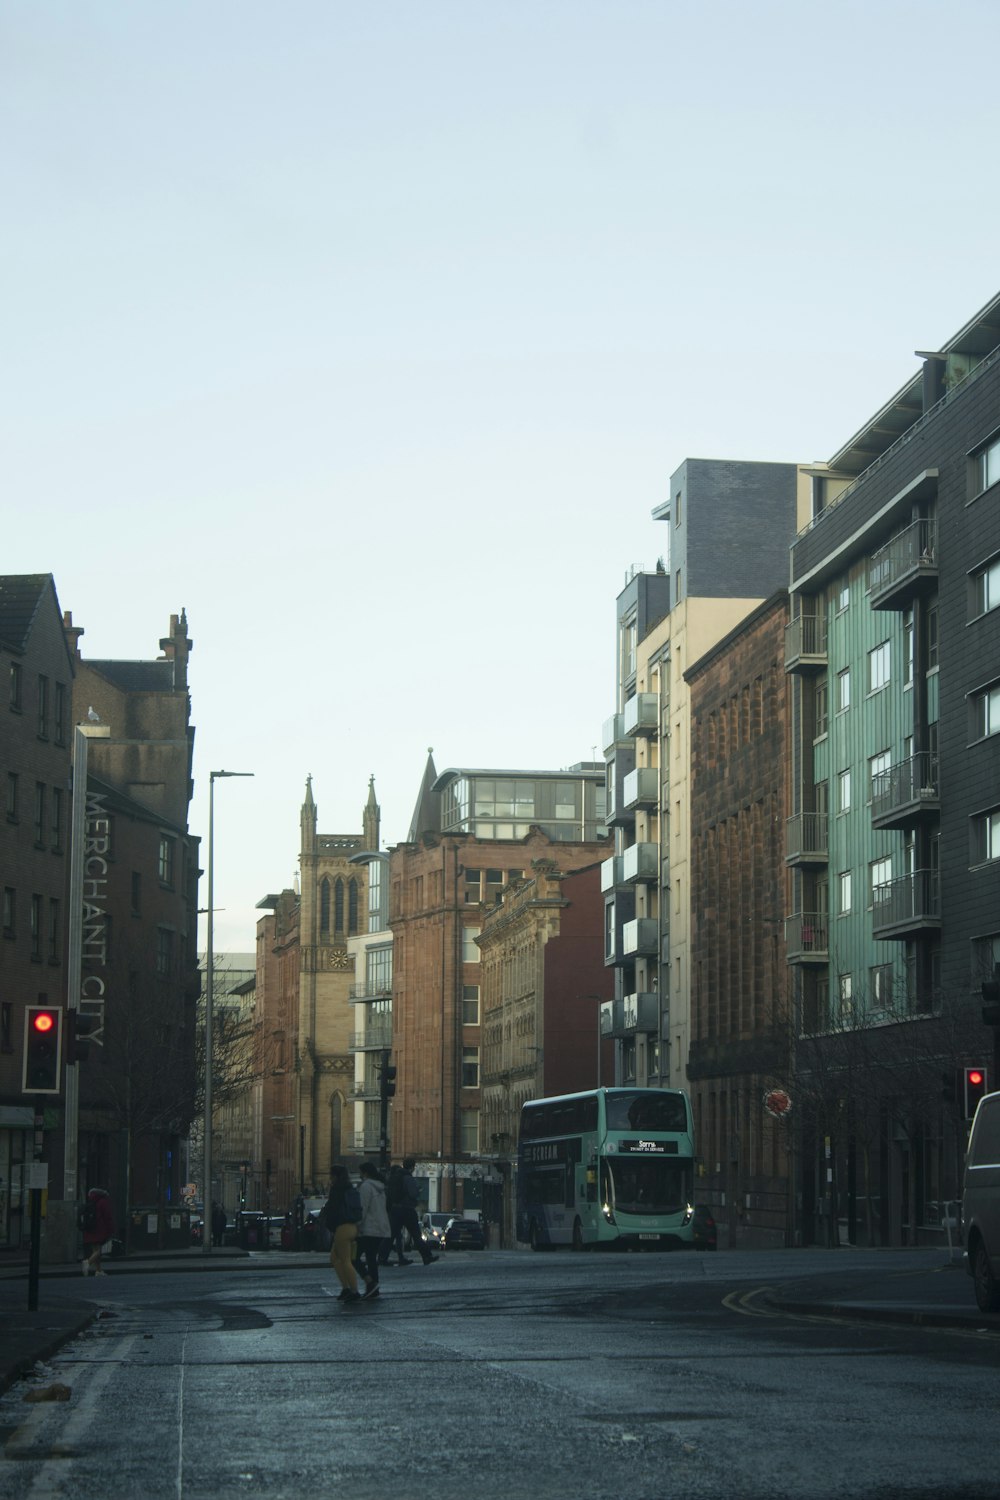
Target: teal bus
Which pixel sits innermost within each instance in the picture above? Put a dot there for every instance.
(614, 1166)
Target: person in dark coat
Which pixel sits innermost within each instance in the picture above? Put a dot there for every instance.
(103, 1230)
(218, 1223)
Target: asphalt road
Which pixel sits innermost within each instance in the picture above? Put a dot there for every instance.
(610, 1377)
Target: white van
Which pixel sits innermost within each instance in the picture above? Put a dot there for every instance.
(981, 1204)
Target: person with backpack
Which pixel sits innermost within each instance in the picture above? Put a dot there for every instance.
(96, 1220)
(374, 1226)
(341, 1216)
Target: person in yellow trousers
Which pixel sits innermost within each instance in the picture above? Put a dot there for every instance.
(341, 1215)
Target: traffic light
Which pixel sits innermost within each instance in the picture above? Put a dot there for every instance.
(78, 1030)
(42, 1049)
(975, 1086)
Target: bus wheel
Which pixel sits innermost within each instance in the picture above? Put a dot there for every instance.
(577, 1235)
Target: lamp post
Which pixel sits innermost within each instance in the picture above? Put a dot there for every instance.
(206, 1214)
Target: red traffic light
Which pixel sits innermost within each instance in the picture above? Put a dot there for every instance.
(43, 1020)
(975, 1086)
(975, 1077)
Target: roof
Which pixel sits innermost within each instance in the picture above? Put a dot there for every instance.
(137, 676)
(591, 771)
(979, 337)
(20, 597)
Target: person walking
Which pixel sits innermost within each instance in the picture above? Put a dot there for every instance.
(341, 1214)
(218, 1223)
(409, 1213)
(396, 1198)
(97, 1221)
(374, 1227)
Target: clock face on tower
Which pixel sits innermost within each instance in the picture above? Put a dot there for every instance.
(337, 958)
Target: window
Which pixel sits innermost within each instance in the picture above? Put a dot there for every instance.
(136, 893)
(880, 984)
(164, 952)
(908, 648)
(55, 826)
(844, 791)
(986, 713)
(470, 1131)
(565, 799)
(988, 465)
(60, 713)
(11, 796)
(986, 837)
(16, 690)
(352, 907)
(844, 891)
(39, 815)
(879, 873)
(843, 690)
(166, 860)
(9, 911)
(821, 705)
(473, 887)
(470, 1005)
(378, 971)
(986, 589)
(43, 708)
(324, 907)
(6, 1025)
(36, 928)
(54, 953)
(470, 948)
(878, 667)
(470, 1067)
(878, 765)
(932, 636)
(843, 596)
(845, 996)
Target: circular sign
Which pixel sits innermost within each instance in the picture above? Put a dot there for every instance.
(778, 1102)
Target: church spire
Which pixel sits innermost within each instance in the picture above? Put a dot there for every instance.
(307, 819)
(371, 819)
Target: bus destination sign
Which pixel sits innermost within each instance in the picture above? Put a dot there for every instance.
(649, 1148)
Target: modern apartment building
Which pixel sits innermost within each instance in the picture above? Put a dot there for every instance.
(729, 528)
(893, 649)
(474, 832)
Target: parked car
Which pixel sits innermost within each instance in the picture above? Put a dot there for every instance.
(703, 1229)
(434, 1225)
(464, 1234)
(981, 1204)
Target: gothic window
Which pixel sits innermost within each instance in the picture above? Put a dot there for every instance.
(352, 906)
(324, 907)
(338, 905)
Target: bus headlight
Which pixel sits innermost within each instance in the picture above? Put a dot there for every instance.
(607, 1211)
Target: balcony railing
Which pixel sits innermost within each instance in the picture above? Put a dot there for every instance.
(611, 873)
(807, 938)
(642, 788)
(807, 839)
(370, 990)
(903, 906)
(640, 937)
(372, 1038)
(640, 862)
(805, 643)
(611, 1016)
(907, 791)
(366, 1090)
(906, 566)
(613, 734)
(641, 1012)
(642, 714)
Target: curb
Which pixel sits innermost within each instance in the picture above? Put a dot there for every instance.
(918, 1317)
(23, 1365)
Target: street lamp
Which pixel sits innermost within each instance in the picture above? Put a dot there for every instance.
(206, 1192)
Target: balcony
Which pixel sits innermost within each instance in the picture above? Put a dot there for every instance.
(641, 1012)
(611, 873)
(640, 862)
(907, 905)
(805, 644)
(360, 994)
(372, 1039)
(366, 1090)
(807, 839)
(612, 1018)
(642, 789)
(905, 567)
(641, 938)
(642, 715)
(367, 1140)
(613, 733)
(807, 938)
(907, 792)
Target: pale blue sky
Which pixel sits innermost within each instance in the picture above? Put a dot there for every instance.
(371, 334)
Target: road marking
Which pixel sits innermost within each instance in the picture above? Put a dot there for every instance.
(744, 1302)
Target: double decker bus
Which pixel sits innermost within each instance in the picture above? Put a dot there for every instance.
(614, 1166)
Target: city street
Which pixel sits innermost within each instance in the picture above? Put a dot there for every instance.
(553, 1375)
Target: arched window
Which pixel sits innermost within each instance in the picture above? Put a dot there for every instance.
(352, 906)
(324, 907)
(338, 906)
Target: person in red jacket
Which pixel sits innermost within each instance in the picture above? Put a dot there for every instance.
(98, 1227)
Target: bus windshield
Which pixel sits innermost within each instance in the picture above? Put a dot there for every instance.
(645, 1110)
(648, 1185)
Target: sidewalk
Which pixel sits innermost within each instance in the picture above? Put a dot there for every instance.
(939, 1296)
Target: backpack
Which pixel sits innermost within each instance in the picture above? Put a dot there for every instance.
(395, 1189)
(86, 1216)
(352, 1206)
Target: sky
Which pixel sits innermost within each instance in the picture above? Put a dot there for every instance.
(370, 334)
